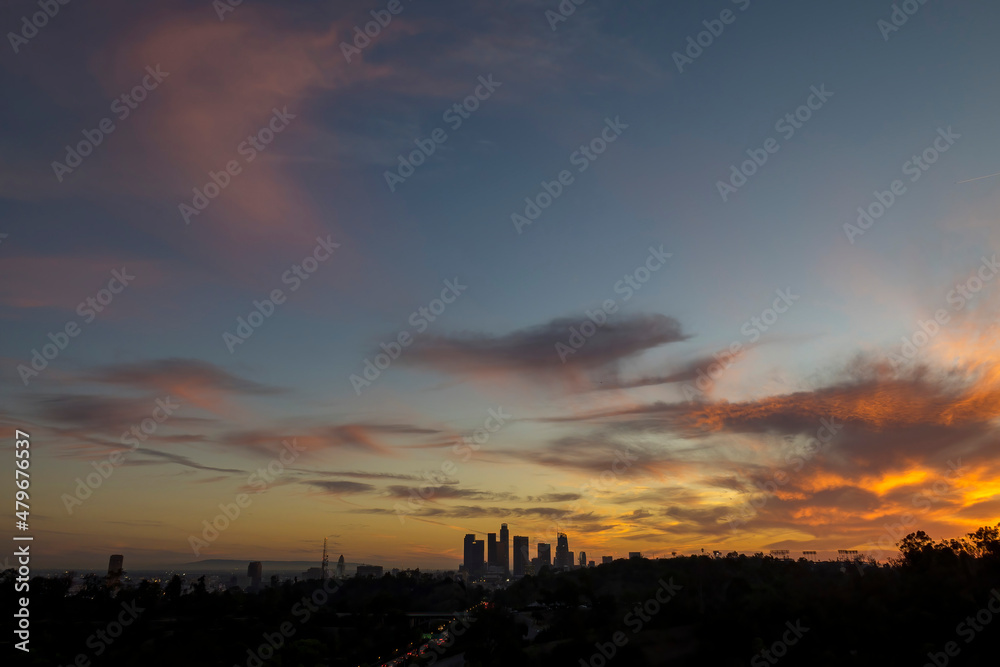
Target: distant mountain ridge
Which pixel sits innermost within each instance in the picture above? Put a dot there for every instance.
(228, 563)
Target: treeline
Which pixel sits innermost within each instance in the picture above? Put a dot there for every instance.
(938, 603)
(355, 622)
(760, 610)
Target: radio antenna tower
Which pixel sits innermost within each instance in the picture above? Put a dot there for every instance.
(326, 562)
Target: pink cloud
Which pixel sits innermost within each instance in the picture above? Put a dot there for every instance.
(65, 282)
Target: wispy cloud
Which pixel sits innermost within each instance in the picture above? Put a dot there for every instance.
(533, 352)
(337, 488)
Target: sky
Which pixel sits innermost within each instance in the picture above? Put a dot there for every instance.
(663, 276)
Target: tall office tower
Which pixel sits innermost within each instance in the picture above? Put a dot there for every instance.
(570, 559)
(340, 567)
(255, 571)
(491, 549)
(115, 564)
(544, 554)
(467, 555)
(583, 559)
(521, 557)
(505, 547)
(563, 559)
(478, 557)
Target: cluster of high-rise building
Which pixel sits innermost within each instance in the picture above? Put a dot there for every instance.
(492, 558)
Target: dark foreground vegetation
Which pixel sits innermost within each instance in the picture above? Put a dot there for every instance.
(938, 604)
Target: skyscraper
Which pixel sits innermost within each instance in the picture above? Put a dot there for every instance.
(467, 555)
(544, 554)
(115, 564)
(340, 567)
(563, 559)
(505, 547)
(491, 549)
(255, 571)
(521, 557)
(478, 557)
(583, 559)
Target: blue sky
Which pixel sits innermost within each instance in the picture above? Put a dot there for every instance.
(656, 185)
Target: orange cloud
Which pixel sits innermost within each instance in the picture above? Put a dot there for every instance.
(876, 405)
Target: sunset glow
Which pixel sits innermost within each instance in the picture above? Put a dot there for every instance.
(553, 317)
